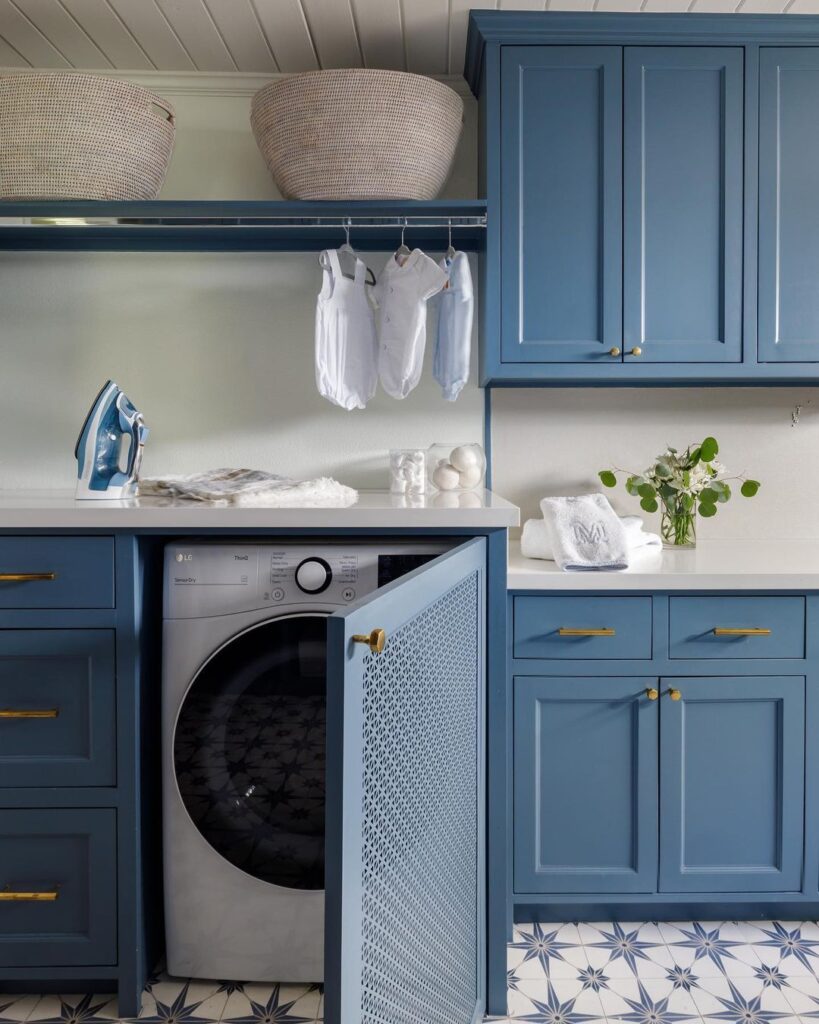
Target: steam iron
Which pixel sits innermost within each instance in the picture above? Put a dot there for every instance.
(98, 451)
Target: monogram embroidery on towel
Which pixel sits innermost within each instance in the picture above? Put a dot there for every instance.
(594, 533)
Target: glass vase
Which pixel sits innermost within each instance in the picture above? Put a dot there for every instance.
(677, 528)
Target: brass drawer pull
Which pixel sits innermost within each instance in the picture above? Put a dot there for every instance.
(26, 577)
(565, 631)
(375, 640)
(730, 631)
(652, 693)
(26, 713)
(674, 693)
(9, 896)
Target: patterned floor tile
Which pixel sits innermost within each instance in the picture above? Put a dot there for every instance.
(266, 1004)
(648, 1001)
(555, 1001)
(547, 950)
(741, 999)
(629, 950)
(710, 948)
(15, 1007)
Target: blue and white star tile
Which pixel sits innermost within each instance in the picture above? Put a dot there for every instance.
(555, 1001)
(546, 950)
(14, 1007)
(648, 1001)
(792, 945)
(734, 1000)
(628, 950)
(179, 1001)
(710, 948)
(274, 1004)
(74, 1009)
(802, 994)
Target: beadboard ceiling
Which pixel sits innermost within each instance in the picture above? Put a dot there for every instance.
(426, 36)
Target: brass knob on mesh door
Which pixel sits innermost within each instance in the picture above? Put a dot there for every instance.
(673, 693)
(375, 640)
(615, 352)
(636, 351)
(652, 693)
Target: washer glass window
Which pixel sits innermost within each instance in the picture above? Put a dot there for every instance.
(249, 751)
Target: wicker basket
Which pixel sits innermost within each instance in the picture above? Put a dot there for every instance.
(69, 136)
(357, 134)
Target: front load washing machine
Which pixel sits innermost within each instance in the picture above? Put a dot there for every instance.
(243, 747)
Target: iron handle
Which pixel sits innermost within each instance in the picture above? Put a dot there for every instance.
(731, 631)
(375, 640)
(26, 577)
(615, 352)
(29, 713)
(12, 896)
(674, 693)
(565, 631)
(652, 693)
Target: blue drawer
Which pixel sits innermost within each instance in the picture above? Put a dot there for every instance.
(736, 627)
(582, 627)
(57, 707)
(68, 859)
(75, 572)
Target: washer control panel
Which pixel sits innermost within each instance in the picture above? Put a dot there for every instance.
(204, 579)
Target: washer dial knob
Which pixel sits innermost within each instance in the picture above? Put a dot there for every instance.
(313, 575)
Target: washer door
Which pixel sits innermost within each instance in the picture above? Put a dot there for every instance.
(249, 751)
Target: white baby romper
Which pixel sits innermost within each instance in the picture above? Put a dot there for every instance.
(453, 345)
(401, 294)
(346, 343)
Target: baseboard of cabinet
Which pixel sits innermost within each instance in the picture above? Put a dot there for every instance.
(669, 907)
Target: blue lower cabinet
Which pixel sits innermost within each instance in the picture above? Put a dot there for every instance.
(732, 784)
(57, 707)
(58, 891)
(585, 785)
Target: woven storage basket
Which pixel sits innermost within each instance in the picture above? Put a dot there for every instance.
(68, 136)
(357, 134)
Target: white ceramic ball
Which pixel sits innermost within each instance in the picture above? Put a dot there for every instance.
(469, 478)
(446, 477)
(465, 457)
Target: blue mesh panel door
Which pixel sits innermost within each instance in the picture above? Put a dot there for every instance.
(405, 797)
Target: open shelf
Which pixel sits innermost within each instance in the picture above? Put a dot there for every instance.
(244, 225)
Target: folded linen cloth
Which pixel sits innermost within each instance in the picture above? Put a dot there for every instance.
(585, 533)
(251, 487)
(535, 541)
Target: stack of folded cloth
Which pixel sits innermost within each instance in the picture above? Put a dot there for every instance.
(584, 533)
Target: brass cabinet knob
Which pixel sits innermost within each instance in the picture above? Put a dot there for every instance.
(652, 693)
(615, 352)
(375, 640)
(673, 693)
(636, 351)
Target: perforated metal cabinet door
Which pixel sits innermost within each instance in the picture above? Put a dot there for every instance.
(405, 886)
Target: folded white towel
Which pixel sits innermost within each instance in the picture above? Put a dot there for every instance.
(251, 487)
(535, 542)
(585, 533)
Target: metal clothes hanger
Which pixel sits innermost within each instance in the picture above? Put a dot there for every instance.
(403, 250)
(450, 253)
(347, 250)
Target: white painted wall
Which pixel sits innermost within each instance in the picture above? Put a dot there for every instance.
(216, 349)
(553, 442)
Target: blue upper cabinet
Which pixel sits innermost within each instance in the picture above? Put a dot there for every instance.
(788, 205)
(651, 201)
(682, 286)
(561, 209)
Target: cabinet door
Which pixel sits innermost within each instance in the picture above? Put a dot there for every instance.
(405, 887)
(788, 205)
(585, 790)
(731, 784)
(561, 203)
(683, 110)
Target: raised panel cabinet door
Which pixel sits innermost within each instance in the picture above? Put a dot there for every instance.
(732, 753)
(585, 785)
(561, 204)
(405, 881)
(683, 166)
(788, 205)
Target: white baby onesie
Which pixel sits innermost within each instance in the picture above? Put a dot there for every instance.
(453, 344)
(346, 343)
(401, 293)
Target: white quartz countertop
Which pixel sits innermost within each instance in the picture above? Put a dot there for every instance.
(58, 510)
(712, 565)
